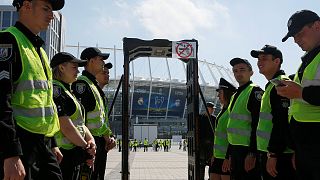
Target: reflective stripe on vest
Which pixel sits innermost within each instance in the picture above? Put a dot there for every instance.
(220, 136)
(301, 110)
(32, 102)
(239, 124)
(95, 120)
(76, 119)
(265, 124)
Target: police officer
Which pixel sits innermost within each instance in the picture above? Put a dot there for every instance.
(86, 89)
(273, 126)
(74, 138)
(103, 76)
(303, 92)
(220, 164)
(244, 112)
(145, 145)
(28, 118)
(206, 135)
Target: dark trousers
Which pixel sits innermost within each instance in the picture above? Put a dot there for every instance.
(38, 160)
(100, 162)
(238, 155)
(145, 148)
(307, 144)
(284, 167)
(70, 164)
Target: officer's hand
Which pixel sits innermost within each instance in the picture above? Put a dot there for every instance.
(56, 151)
(226, 165)
(249, 162)
(271, 166)
(13, 169)
(91, 147)
(90, 162)
(110, 143)
(291, 90)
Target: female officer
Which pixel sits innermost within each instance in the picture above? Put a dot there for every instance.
(74, 139)
(220, 165)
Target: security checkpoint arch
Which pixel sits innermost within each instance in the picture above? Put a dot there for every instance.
(185, 50)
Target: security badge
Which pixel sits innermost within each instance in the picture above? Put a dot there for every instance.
(80, 88)
(258, 95)
(56, 91)
(5, 52)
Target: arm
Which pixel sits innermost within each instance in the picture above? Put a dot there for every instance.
(71, 132)
(280, 130)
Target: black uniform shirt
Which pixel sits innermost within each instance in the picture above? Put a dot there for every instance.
(63, 101)
(10, 71)
(83, 92)
(279, 110)
(254, 107)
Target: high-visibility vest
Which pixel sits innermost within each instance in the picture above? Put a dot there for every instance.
(301, 110)
(239, 124)
(145, 142)
(265, 124)
(76, 118)
(220, 136)
(32, 101)
(96, 119)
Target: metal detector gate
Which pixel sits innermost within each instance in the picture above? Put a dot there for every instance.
(134, 48)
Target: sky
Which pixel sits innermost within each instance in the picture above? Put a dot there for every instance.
(224, 28)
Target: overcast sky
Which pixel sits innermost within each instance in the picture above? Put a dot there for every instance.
(224, 28)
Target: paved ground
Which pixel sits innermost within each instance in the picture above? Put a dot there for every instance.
(150, 165)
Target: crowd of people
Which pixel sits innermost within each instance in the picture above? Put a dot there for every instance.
(54, 124)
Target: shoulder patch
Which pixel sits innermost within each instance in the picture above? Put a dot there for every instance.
(56, 91)
(80, 87)
(5, 52)
(258, 95)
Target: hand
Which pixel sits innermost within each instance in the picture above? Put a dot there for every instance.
(56, 151)
(271, 166)
(90, 162)
(291, 90)
(226, 165)
(249, 162)
(293, 160)
(110, 143)
(13, 169)
(91, 147)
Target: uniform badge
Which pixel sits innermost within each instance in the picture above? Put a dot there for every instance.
(258, 95)
(5, 52)
(56, 91)
(80, 88)
(285, 104)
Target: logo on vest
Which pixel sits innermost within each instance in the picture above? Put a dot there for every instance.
(5, 52)
(258, 95)
(80, 88)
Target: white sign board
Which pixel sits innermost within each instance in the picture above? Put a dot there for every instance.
(184, 49)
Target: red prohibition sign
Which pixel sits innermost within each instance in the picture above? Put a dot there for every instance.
(184, 50)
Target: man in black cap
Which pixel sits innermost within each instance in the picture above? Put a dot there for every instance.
(244, 112)
(273, 126)
(206, 126)
(28, 118)
(88, 92)
(303, 92)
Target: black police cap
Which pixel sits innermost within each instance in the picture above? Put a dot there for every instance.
(268, 49)
(62, 57)
(298, 20)
(224, 84)
(56, 4)
(92, 52)
(108, 66)
(237, 60)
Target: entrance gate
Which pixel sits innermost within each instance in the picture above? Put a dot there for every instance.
(134, 48)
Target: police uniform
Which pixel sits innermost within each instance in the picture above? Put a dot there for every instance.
(244, 109)
(206, 135)
(67, 105)
(220, 136)
(273, 127)
(88, 92)
(22, 69)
